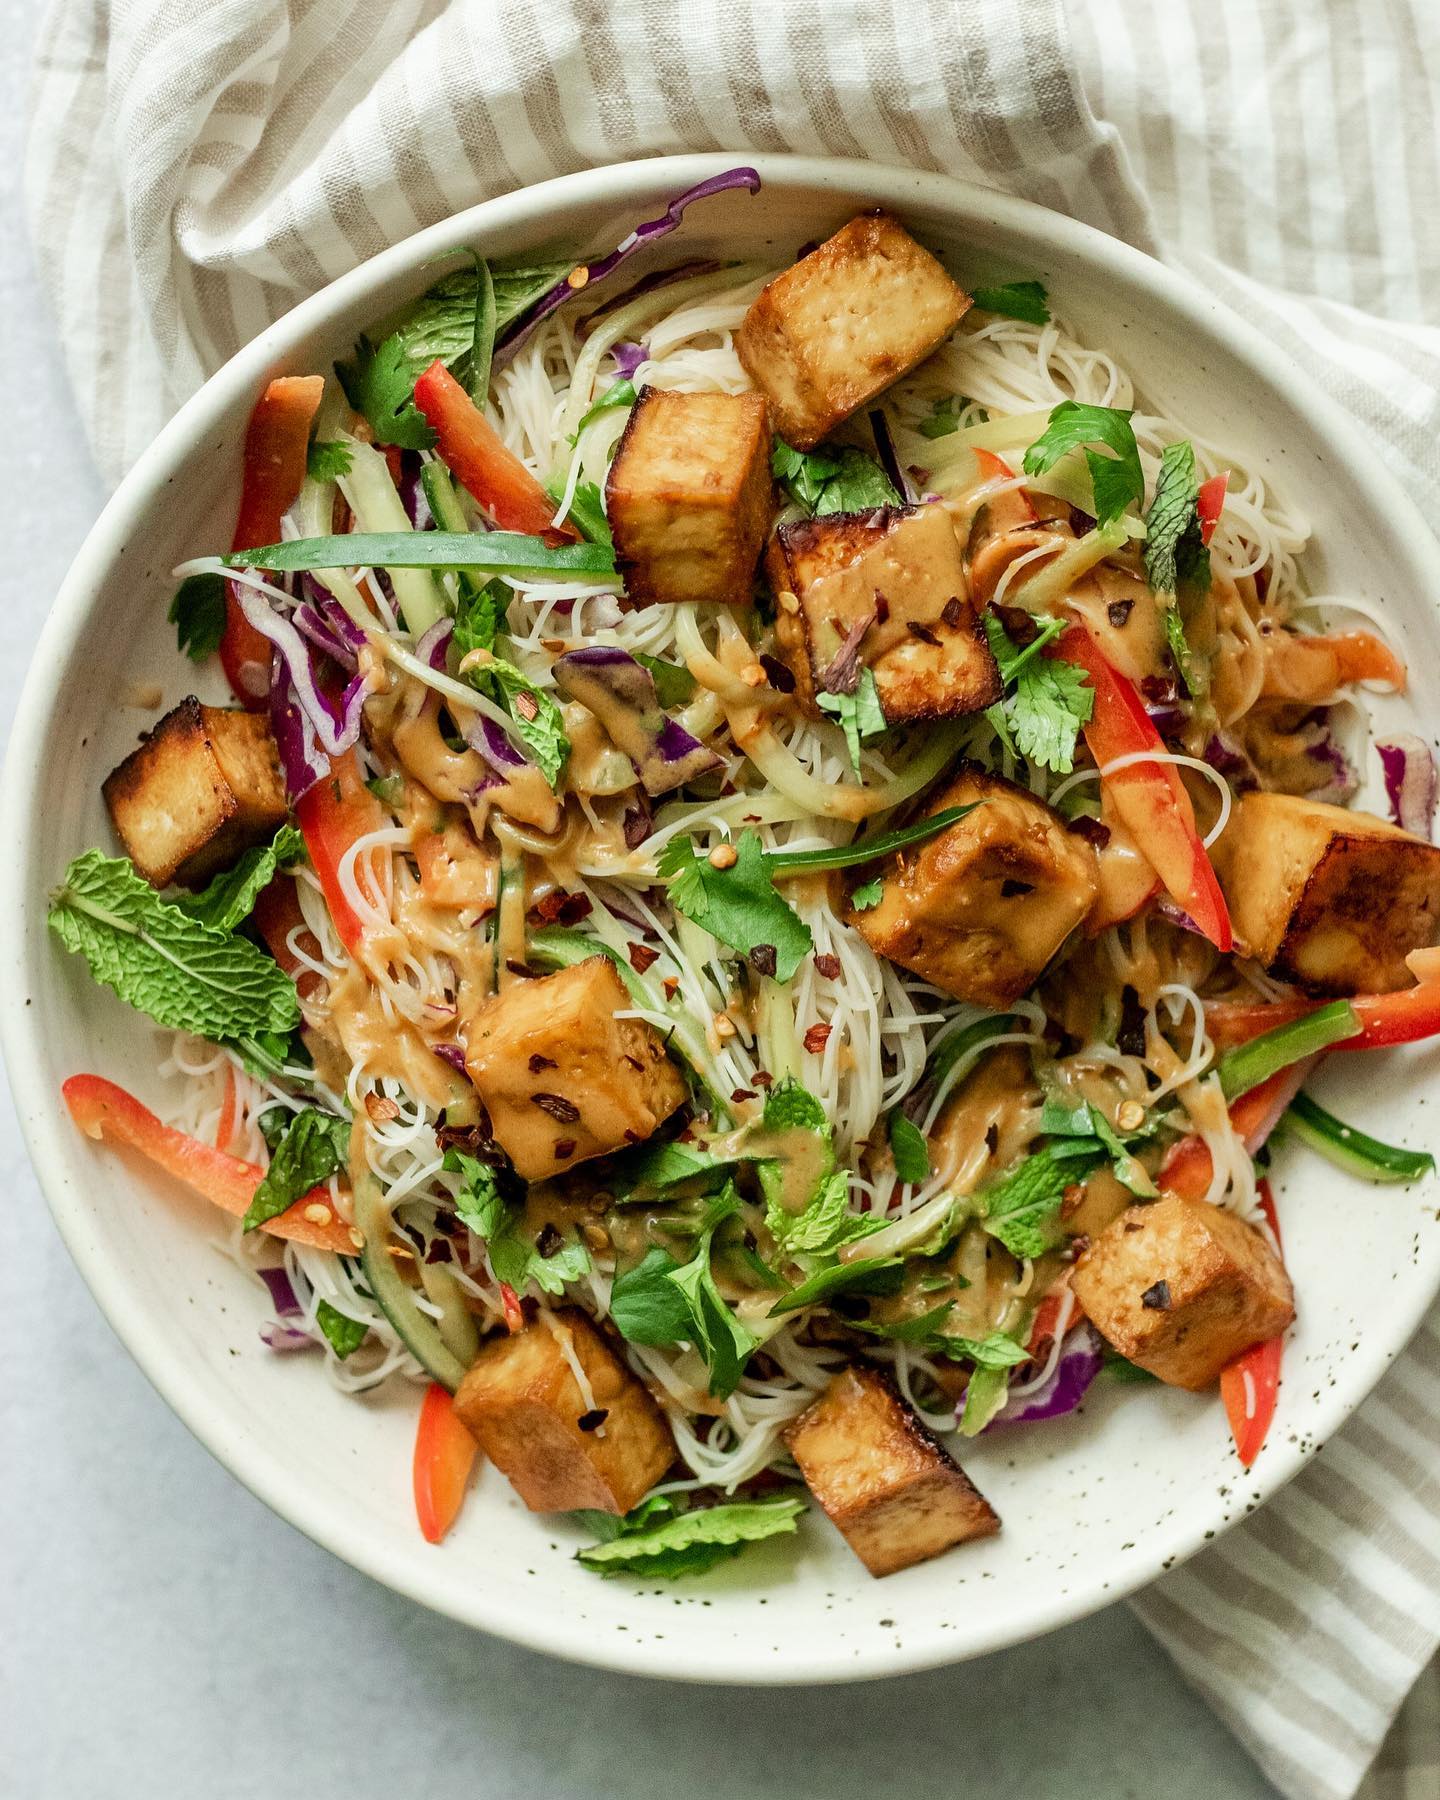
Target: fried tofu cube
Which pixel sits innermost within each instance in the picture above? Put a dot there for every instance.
(845, 323)
(561, 1447)
(204, 785)
(899, 567)
(561, 1077)
(1182, 1287)
(982, 907)
(1331, 898)
(886, 1484)
(690, 497)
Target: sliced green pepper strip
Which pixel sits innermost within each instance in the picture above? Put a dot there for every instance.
(1249, 1064)
(846, 856)
(1354, 1150)
(508, 552)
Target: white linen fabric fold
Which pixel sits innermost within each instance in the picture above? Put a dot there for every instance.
(196, 166)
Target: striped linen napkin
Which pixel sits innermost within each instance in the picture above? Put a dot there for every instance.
(194, 169)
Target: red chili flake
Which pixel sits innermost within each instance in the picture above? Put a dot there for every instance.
(549, 1240)
(1157, 1297)
(546, 911)
(740, 1094)
(762, 959)
(776, 673)
(763, 1078)
(1091, 830)
(636, 826)
(882, 609)
(641, 957)
(539, 1062)
(828, 966)
(671, 985)
(563, 1111)
(438, 1251)
(633, 1137)
(953, 612)
(564, 1149)
(634, 1062)
(923, 632)
(594, 1419)
(816, 1038)
(1118, 611)
(523, 970)
(575, 907)
(527, 705)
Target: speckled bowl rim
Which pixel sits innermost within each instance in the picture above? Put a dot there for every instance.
(46, 1125)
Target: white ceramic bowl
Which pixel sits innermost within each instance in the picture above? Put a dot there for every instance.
(1093, 1505)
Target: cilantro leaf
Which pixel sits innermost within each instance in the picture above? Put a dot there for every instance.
(619, 393)
(517, 1262)
(909, 1149)
(1025, 300)
(537, 718)
(1041, 719)
(944, 418)
(231, 896)
(1175, 553)
(645, 1305)
(1117, 479)
(379, 382)
(198, 614)
(868, 894)
(861, 716)
(310, 1148)
(480, 616)
(184, 973)
(660, 1166)
(479, 1203)
(688, 1543)
(328, 460)
(344, 1334)
(1022, 1209)
(586, 511)
(830, 481)
(738, 905)
(674, 685)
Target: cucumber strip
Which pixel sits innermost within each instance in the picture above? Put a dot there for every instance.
(441, 498)
(499, 552)
(1354, 1150)
(1249, 1064)
(419, 1333)
(456, 1324)
(558, 947)
(509, 898)
(378, 507)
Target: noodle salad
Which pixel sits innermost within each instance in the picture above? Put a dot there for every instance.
(779, 849)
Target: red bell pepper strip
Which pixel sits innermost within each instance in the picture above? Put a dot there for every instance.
(1248, 1386)
(331, 816)
(225, 1124)
(101, 1109)
(1406, 1017)
(1047, 1316)
(471, 447)
(277, 913)
(277, 441)
(1149, 797)
(1188, 1167)
(445, 1455)
(1210, 503)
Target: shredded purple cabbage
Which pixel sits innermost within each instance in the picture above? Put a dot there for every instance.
(621, 693)
(486, 737)
(452, 1054)
(302, 762)
(1340, 781)
(336, 726)
(1408, 765)
(586, 275)
(1080, 1361)
(1226, 757)
(628, 358)
(1166, 908)
(412, 494)
(280, 1335)
(317, 630)
(433, 645)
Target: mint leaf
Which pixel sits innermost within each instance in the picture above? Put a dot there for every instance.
(868, 894)
(480, 616)
(993, 1351)
(328, 460)
(1175, 553)
(984, 1396)
(184, 973)
(231, 897)
(658, 1167)
(873, 1275)
(688, 1543)
(379, 382)
(830, 481)
(198, 614)
(1189, 669)
(1117, 479)
(826, 1222)
(739, 905)
(861, 716)
(1022, 1210)
(313, 1146)
(790, 1106)
(537, 718)
(343, 1334)
(1092, 1134)
(909, 1149)
(459, 317)
(1025, 300)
